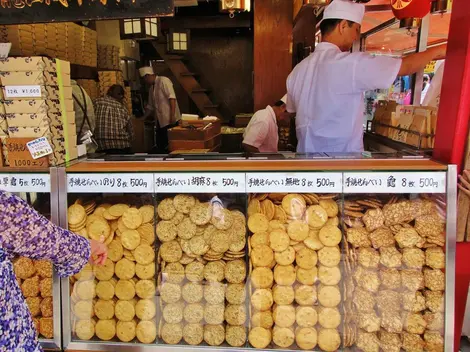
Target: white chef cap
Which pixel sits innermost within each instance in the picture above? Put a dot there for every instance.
(345, 10)
(146, 71)
(284, 99)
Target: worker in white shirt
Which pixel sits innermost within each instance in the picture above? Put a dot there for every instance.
(326, 90)
(162, 106)
(262, 133)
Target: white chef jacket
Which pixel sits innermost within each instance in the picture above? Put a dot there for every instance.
(326, 91)
(159, 101)
(262, 131)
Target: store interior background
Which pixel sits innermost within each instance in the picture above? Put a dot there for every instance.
(233, 67)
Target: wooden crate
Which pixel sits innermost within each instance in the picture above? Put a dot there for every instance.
(195, 144)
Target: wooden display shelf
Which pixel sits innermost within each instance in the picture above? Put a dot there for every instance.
(257, 165)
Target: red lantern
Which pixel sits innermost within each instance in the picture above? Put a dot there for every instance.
(410, 8)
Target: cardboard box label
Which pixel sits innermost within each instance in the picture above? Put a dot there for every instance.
(13, 92)
(19, 155)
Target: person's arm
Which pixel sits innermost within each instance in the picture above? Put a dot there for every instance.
(169, 91)
(172, 109)
(415, 62)
(150, 107)
(249, 148)
(25, 232)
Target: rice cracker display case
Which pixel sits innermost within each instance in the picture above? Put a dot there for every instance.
(244, 255)
(38, 281)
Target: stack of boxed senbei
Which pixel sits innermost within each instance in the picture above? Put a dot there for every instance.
(38, 103)
(109, 78)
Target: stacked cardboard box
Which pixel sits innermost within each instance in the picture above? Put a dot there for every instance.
(90, 86)
(108, 57)
(89, 51)
(108, 78)
(66, 41)
(48, 115)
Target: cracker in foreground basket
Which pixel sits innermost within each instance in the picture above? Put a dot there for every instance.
(172, 333)
(284, 275)
(193, 334)
(235, 335)
(183, 203)
(259, 337)
(329, 340)
(214, 335)
(294, 205)
(262, 299)
(235, 293)
(283, 337)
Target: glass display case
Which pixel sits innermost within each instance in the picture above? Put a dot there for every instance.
(326, 254)
(38, 281)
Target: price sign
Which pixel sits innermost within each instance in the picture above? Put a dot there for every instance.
(110, 183)
(200, 183)
(39, 147)
(395, 182)
(23, 91)
(318, 182)
(40, 183)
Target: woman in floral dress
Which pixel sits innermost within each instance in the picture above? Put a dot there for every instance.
(24, 232)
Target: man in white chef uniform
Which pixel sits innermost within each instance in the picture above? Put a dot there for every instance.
(326, 90)
(262, 133)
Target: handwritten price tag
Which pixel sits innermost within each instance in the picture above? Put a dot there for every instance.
(22, 91)
(395, 182)
(200, 183)
(39, 147)
(40, 183)
(318, 182)
(110, 183)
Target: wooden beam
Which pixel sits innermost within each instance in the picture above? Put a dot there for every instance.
(378, 8)
(241, 20)
(297, 6)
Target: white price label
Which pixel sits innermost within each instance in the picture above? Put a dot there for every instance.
(39, 147)
(23, 91)
(395, 182)
(4, 50)
(110, 183)
(40, 183)
(200, 183)
(300, 182)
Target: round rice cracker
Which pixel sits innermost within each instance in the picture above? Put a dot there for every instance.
(235, 293)
(330, 236)
(193, 334)
(130, 239)
(99, 230)
(329, 296)
(214, 271)
(105, 329)
(237, 237)
(307, 276)
(221, 218)
(259, 337)
(316, 216)
(313, 240)
(329, 256)
(258, 223)
(172, 333)
(125, 310)
(329, 276)
(283, 295)
(118, 209)
(171, 252)
(306, 317)
(262, 319)
(145, 289)
(262, 255)
(126, 330)
(146, 332)
(186, 229)
(148, 213)
(306, 258)
(254, 206)
(125, 269)
(235, 335)
(306, 338)
(259, 238)
(305, 295)
(294, 205)
(284, 275)
(145, 272)
(183, 203)
(214, 293)
(284, 316)
(330, 206)
(220, 242)
(235, 314)
(262, 277)
(198, 245)
(285, 257)
(329, 318)
(165, 209)
(173, 272)
(144, 254)
(193, 313)
(115, 251)
(329, 340)
(279, 240)
(214, 335)
(298, 230)
(166, 231)
(76, 214)
(170, 293)
(132, 218)
(104, 272)
(235, 271)
(283, 337)
(125, 290)
(262, 299)
(201, 214)
(192, 292)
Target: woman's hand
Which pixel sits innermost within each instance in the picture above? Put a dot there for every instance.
(99, 253)
(464, 182)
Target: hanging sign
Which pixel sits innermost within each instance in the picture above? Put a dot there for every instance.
(410, 8)
(35, 11)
